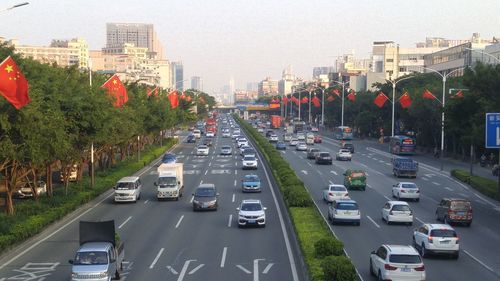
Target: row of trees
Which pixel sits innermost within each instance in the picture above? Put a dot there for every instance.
(66, 114)
(464, 114)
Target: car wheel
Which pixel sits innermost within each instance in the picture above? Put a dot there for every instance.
(456, 255)
(329, 216)
(410, 223)
(445, 220)
(117, 275)
(414, 243)
(372, 273)
(468, 223)
(417, 200)
(399, 197)
(380, 276)
(423, 251)
(437, 216)
(358, 223)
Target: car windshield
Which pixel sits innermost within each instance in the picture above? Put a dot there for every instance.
(226, 147)
(251, 207)
(443, 233)
(125, 185)
(88, 258)
(357, 174)
(402, 208)
(461, 205)
(249, 158)
(314, 150)
(324, 154)
(344, 151)
(167, 181)
(202, 147)
(409, 185)
(248, 151)
(337, 188)
(205, 192)
(347, 206)
(412, 259)
(252, 178)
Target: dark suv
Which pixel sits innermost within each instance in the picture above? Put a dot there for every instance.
(324, 158)
(348, 145)
(454, 210)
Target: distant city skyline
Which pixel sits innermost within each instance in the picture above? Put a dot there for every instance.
(218, 40)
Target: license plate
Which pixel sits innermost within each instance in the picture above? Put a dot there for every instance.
(251, 221)
(460, 213)
(405, 269)
(445, 242)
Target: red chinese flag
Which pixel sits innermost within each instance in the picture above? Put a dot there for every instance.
(148, 91)
(295, 100)
(285, 100)
(330, 98)
(405, 100)
(316, 102)
(458, 95)
(156, 91)
(173, 97)
(201, 100)
(13, 84)
(428, 95)
(304, 100)
(188, 98)
(117, 90)
(380, 99)
(337, 92)
(352, 96)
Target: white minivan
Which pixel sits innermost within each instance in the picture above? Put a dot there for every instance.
(128, 189)
(197, 133)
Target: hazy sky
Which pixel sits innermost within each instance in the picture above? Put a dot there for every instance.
(252, 39)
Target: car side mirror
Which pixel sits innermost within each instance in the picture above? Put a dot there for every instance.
(217, 194)
(114, 187)
(192, 194)
(155, 184)
(373, 252)
(265, 208)
(71, 261)
(178, 182)
(237, 209)
(344, 174)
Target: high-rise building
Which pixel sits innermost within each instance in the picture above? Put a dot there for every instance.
(287, 81)
(348, 63)
(178, 75)
(319, 70)
(139, 34)
(253, 86)
(268, 87)
(74, 52)
(196, 83)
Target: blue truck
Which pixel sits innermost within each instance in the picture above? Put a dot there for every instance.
(404, 167)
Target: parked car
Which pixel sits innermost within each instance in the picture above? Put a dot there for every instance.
(355, 179)
(251, 212)
(205, 197)
(343, 154)
(324, 158)
(396, 262)
(335, 192)
(249, 162)
(250, 183)
(454, 210)
(397, 211)
(281, 145)
(344, 211)
(406, 190)
(312, 152)
(169, 158)
(202, 150)
(349, 146)
(436, 239)
(226, 150)
(301, 146)
(317, 139)
(27, 191)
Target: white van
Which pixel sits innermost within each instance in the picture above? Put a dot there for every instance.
(310, 139)
(197, 133)
(128, 189)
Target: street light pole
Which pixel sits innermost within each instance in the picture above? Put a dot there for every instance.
(394, 83)
(343, 86)
(15, 6)
(484, 53)
(89, 65)
(322, 107)
(310, 108)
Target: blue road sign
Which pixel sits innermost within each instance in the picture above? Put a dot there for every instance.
(493, 130)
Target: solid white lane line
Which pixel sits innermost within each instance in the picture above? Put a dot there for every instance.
(388, 199)
(192, 198)
(331, 182)
(156, 259)
(229, 221)
(223, 259)
(479, 261)
(234, 196)
(378, 226)
(419, 220)
(243, 269)
(268, 267)
(179, 222)
(146, 201)
(369, 186)
(121, 225)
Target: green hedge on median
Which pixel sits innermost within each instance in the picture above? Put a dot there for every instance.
(31, 217)
(485, 186)
(322, 252)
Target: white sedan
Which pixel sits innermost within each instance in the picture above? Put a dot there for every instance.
(397, 211)
(202, 150)
(406, 190)
(301, 146)
(344, 154)
(335, 192)
(249, 162)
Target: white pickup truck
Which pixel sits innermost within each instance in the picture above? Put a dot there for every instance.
(170, 181)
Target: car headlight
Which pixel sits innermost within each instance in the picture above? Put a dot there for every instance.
(196, 202)
(103, 274)
(74, 274)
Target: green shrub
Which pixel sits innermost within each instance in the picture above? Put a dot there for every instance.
(485, 186)
(297, 196)
(328, 246)
(338, 268)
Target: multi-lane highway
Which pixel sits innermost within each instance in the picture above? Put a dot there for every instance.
(168, 241)
(479, 244)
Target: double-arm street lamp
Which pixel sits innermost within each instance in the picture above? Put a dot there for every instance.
(343, 88)
(394, 83)
(497, 60)
(15, 6)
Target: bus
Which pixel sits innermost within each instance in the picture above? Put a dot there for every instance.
(402, 145)
(342, 133)
(299, 126)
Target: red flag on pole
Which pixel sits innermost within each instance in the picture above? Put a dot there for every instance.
(330, 98)
(352, 96)
(304, 100)
(173, 97)
(380, 99)
(156, 91)
(428, 95)
(405, 100)
(148, 91)
(458, 95)
(295, 100)
(285, 100)
(316, 102)
(117, 90)
(337, 92)
(13, 84)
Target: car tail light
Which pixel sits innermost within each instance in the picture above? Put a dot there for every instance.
(346, 195)
(389, 267)
(330, 193)
(457, 240)
(430, 239)
(418, 191)
(402, 191)
(420, 268)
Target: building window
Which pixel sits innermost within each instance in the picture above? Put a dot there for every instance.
(389, 60)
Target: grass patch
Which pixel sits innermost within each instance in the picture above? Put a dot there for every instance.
(483, 185)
